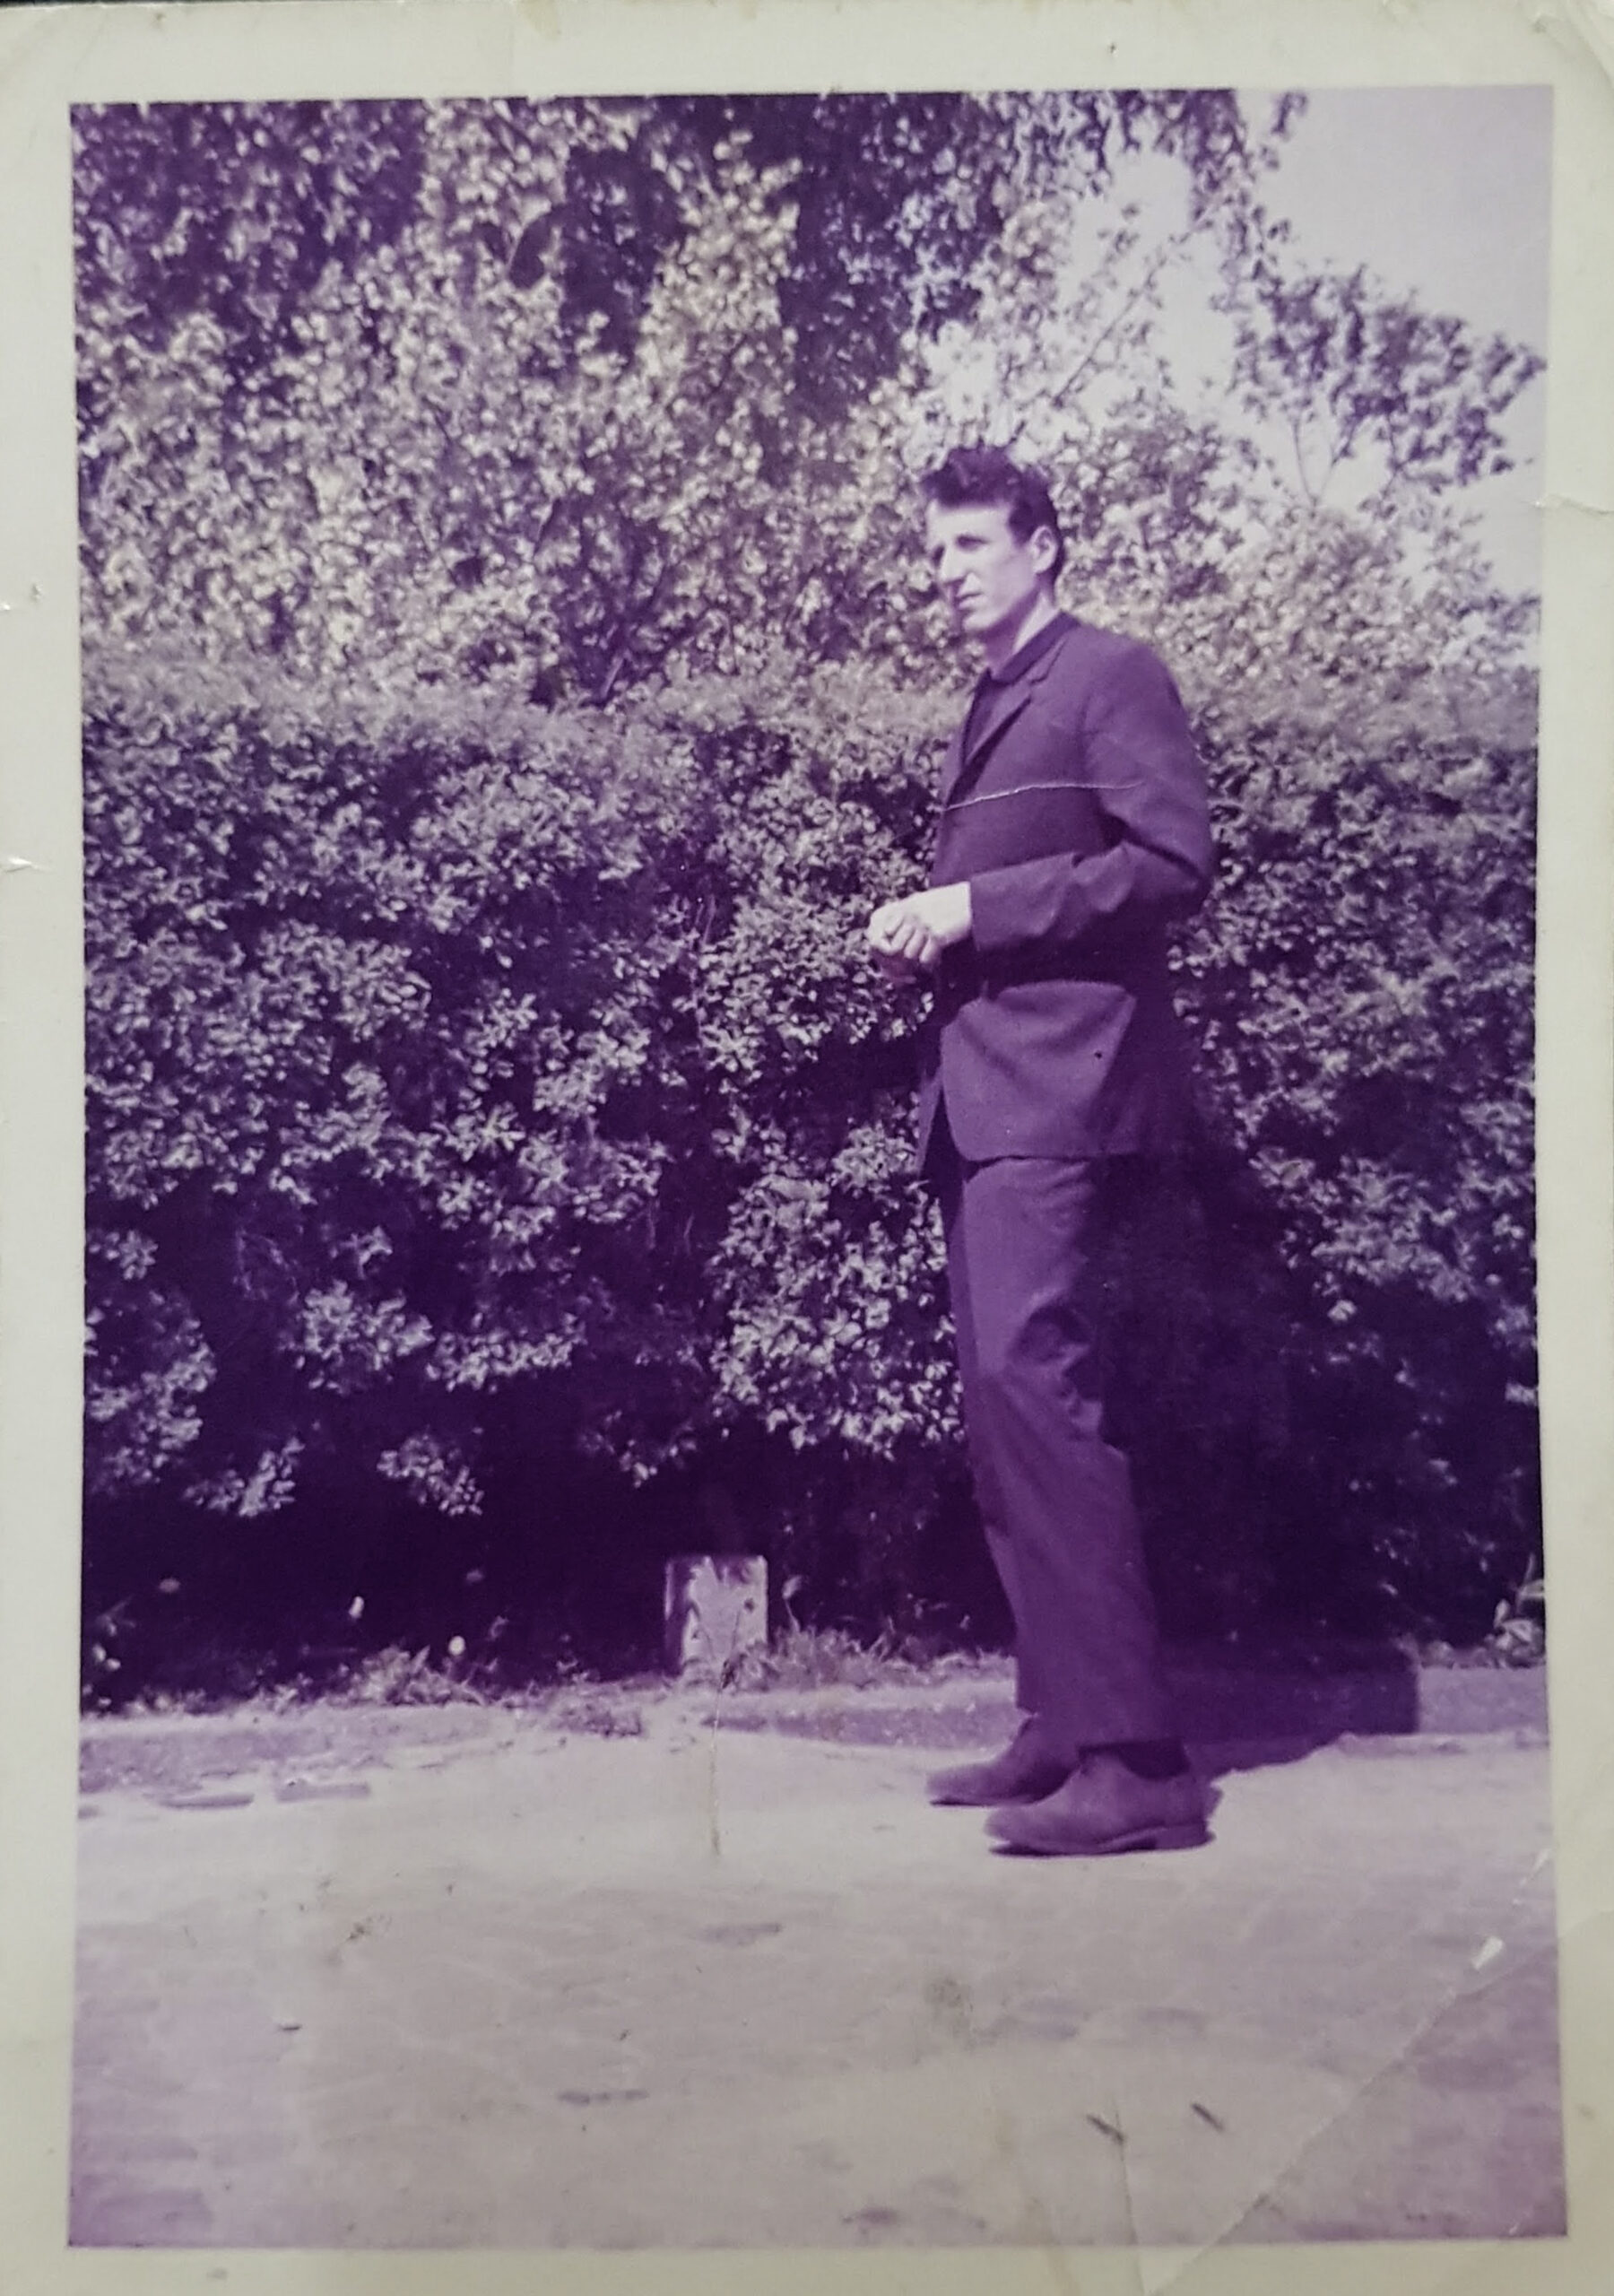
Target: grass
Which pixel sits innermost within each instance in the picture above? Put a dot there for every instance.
(832, 1657)
(797, 1658)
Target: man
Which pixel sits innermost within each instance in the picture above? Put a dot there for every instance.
(1073, 833)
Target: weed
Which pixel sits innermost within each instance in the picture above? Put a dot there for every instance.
(1518, 1632)
(397, 1676)
(832, 1657)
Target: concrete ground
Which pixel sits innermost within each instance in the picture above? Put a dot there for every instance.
(493, 1980)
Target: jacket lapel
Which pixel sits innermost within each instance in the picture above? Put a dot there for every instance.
(963, 763)
(953, 764)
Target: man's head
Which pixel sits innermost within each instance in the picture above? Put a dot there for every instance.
(992, 539)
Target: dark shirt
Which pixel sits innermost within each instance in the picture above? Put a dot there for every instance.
(992, 684)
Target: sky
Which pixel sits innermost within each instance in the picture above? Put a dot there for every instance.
(1444, 191)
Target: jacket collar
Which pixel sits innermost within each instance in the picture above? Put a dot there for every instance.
(1010, 691)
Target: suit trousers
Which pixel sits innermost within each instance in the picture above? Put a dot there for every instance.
(1055, 1498)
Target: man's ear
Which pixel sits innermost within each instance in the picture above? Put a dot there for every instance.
(1043, 548)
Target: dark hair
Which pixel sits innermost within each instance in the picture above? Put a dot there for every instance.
(987, 474)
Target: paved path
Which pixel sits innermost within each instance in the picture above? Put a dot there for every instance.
(694, 1988)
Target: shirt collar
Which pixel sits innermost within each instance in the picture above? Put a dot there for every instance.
(1033, 650)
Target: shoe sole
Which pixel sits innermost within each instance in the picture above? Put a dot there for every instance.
(1036, 1788)
(987, 1801)
(1192, 1836)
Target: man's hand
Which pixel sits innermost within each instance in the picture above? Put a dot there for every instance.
(908, 937)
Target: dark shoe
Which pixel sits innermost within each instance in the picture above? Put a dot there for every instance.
(1024, 1772)
(1102, 1807)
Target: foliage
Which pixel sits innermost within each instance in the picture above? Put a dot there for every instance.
(1518, 1633)
(452, 1048)
(564, 396)
(1345, 367)
(507, 692)
(531, 1095)
(1362, 994)
(399, 1677)
(832, 1657)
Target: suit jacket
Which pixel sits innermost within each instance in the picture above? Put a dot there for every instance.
(1073, 803)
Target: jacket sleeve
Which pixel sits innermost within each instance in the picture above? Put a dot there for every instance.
(1141, 762)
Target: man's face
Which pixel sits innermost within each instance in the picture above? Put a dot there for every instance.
(987, 574)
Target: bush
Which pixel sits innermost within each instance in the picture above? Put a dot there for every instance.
(500, 1164)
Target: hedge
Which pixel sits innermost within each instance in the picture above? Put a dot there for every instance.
(499, 1169)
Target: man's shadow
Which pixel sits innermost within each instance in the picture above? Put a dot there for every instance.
(1298, 1540)
(1265, 1712)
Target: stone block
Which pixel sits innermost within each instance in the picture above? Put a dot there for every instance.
(714, 1611)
